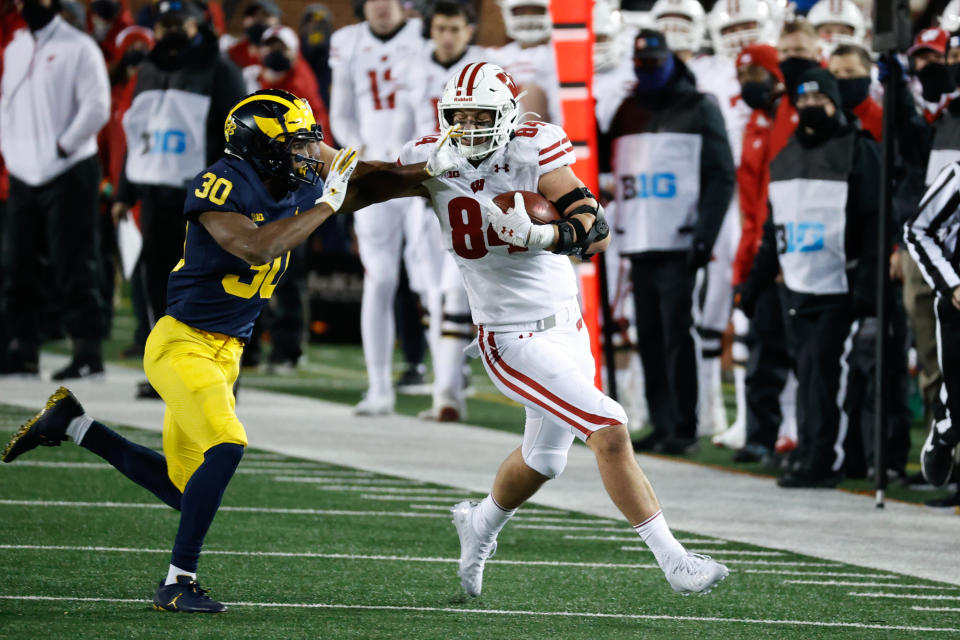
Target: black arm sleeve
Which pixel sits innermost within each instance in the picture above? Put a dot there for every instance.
(863, 216)
(717, 175)
(914, 136)
(228, 89)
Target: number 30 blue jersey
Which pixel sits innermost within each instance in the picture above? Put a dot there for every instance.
(210, 288)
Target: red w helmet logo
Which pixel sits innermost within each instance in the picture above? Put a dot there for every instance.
(505, 78)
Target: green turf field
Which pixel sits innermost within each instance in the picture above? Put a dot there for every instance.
(304, 549)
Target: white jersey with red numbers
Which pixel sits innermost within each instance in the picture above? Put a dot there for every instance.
(368, 75)
(505, 284)
(423, 92)
(533, 65)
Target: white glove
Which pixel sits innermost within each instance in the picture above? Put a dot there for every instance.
(335, 188)
(445, 154)
(515, 227)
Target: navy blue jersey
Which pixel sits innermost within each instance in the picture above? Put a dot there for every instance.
(210, 288)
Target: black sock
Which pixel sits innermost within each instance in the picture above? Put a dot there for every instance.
(144, 466)
(201, 499)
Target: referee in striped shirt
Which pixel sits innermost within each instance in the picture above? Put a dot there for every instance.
(931, 237)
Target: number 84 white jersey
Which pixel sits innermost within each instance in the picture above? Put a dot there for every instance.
(505, 284)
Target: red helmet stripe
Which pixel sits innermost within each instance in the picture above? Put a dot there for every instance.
(463, 74)
(473, 76)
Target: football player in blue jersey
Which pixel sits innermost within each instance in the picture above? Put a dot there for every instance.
(277, 183)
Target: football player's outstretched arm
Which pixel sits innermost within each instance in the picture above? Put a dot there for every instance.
(239, 235)
(376, 181)
(561, 181)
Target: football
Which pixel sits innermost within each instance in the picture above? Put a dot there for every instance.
(540, 210)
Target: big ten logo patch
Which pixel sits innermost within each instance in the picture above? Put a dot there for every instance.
(800, 237)
(165, 141)
(649, 185)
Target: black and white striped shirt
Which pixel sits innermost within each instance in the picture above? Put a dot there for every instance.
(931, 235)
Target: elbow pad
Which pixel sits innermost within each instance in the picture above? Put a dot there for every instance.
(574, 239)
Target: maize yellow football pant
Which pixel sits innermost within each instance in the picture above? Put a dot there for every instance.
(194, 372)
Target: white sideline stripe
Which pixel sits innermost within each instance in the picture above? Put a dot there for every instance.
(514, 612)
(783, 563)
(359, 484)
(825, 574)
(907, 596)
(632, 536)
(722, 552)
(596, 529)
(451, 499)
(839, 583)
(145, 505)
(322, 484)
(521, 517)
(329, 556)
(950, 609)
(331, 474)
(526, 510)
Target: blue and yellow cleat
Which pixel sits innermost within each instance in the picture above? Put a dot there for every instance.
(47, 428)
(186, 596)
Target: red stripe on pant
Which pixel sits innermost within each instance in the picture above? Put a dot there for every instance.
(493, 357)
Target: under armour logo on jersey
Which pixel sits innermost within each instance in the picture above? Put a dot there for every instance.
(506, 168)
(477, 185)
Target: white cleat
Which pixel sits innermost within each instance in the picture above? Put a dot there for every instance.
(374, 406)
(474, 552)
(695, 573)
(733, 438)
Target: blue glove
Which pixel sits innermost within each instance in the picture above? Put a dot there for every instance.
(887, 65)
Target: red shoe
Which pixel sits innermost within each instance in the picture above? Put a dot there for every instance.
(784, 445)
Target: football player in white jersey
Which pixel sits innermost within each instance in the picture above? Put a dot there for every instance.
(530, 58)
(451, 26)
(838, 22)
(368, 61)
(532, 339)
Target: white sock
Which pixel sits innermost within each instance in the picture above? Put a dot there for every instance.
(78, 427)
(175, 571)
(489, 518)
(655, 532)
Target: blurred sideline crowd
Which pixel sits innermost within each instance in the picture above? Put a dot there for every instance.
(740, 169)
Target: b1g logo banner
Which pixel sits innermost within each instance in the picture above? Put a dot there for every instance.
(166, 141)
(662, 185)
(800, 237)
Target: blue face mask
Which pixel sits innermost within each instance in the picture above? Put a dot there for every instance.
(653, 80)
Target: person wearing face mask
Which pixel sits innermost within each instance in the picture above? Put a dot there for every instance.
(105, 20)
(850, 65)
(316, 27)
(183, 91)
(667, 147)
(258, 16)
(51, 153)
(935, 87)
(798, 50)
(770, 409)
(821, 234)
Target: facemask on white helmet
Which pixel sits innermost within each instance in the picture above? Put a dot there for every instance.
(480, 87)
(527, 28)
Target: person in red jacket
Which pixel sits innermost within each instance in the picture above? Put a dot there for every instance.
(764, 90)
(105, 20)
(284, 68)
(851, 66)
(258, 16)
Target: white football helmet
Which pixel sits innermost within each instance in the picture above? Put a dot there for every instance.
(950, 18)
(683, 22)
(527, 29)
(751, 16)
(481, 85)
(608, 25)
(841, 12)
